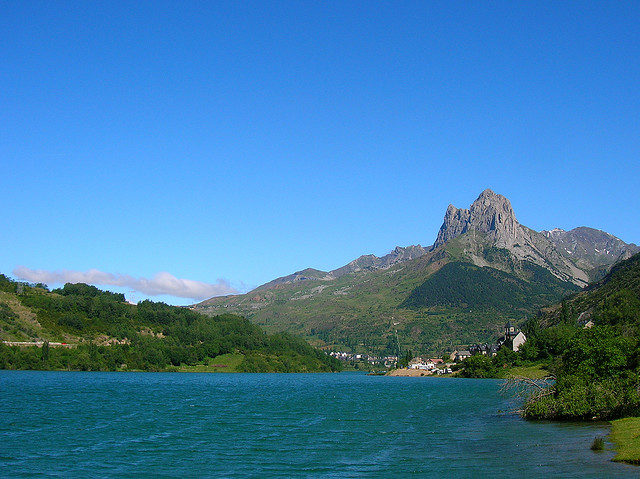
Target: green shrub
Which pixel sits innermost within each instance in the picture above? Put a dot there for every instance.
(478, 366)
(598, 444)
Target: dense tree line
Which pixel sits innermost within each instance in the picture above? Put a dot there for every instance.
(481, 366)
(595, 376)
(596, 369)
(459, 285)
(149, 336)
(590, 344)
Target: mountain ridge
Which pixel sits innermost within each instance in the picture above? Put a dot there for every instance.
(364, 302)
(569, 255)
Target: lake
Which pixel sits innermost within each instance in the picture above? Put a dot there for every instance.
(81, 425)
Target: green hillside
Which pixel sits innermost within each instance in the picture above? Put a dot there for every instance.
(436, 303)
(592, 343)
(612, 297)
(466, 285)
(83, 328)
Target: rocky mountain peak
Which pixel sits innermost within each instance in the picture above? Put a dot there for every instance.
(490, 213)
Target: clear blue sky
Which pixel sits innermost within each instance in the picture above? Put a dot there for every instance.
(242, 141)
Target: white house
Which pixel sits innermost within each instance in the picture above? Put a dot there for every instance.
(513, 337)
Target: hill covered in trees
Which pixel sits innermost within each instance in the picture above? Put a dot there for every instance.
(80, 327)
(590, 345)
(591, 342)
(460, 285)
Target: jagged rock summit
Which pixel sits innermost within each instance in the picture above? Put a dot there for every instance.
(578, 256)
(490, 213)
(491, 223)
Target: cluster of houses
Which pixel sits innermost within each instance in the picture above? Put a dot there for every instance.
(433, 365)
(387, 361)
(513, 338)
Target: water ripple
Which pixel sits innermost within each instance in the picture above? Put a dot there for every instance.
(81, 425)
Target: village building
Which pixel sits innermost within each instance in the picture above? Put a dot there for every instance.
(462, 355)
(485, 349)
(422, 364)
(513, 337)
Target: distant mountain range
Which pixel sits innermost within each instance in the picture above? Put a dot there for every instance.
(483, 269)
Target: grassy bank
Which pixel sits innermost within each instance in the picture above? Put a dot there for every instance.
(625, 434)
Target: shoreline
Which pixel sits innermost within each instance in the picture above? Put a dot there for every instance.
(625, 435)
(413, 373)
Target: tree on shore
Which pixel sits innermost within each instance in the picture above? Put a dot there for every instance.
(596, 378)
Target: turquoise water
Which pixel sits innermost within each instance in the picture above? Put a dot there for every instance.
(280, 425)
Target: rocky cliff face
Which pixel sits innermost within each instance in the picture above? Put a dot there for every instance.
(492, 217)
(491, 214)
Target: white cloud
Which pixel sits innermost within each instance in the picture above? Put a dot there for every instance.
(160, 284)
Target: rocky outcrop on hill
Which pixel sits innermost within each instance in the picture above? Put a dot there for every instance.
(368, 262)
(371, 262)
(304, 275)
(491, 214)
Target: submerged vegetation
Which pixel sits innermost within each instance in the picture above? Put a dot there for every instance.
(598, 443)
(97, 330)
